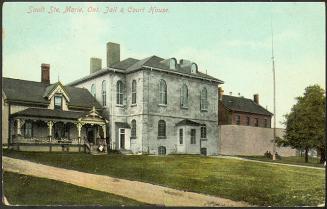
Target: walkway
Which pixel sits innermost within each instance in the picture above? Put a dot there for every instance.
(258, 161)
(142, 192)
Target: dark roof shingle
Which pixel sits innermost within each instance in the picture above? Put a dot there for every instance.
(131, 64)
(31, 91)
(242, 104)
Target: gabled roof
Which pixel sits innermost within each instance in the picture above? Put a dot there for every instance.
(187, 122)
(131, 64)
(242, 104)
(23, 91)
(49, 89)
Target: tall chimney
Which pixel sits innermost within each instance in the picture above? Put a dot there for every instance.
(256, 98)
(113, 53)
(220, 93)
(45, 73)
(95, 64)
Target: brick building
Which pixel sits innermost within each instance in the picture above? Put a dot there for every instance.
(234, 110)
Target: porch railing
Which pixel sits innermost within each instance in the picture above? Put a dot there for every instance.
(43, 140)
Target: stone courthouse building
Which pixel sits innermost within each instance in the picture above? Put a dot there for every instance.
(155, 105)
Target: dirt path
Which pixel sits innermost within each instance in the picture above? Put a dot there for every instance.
(142, 192)
(258, 161)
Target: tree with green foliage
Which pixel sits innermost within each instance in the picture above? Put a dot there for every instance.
(305, 124)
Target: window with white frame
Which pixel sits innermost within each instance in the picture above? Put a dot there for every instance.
(120, 94)
(203, 131)
(104, 93)
(161, 129)
(58, 102)
(204, 99)
(184, 96)
(162, 92)
(93, 90)
(134, 92)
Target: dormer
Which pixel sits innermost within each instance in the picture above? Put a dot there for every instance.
(58, 97)
(194, 68)
(171, 63)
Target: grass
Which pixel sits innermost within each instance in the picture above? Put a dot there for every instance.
(295, 160)
(255, 183)
(26, 190)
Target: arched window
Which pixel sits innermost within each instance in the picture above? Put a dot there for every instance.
(120, 94)
(161, 150)
(133, 129)
(184, 96)
(162, 129)
(93, 90)
(104, 93)
(204, 99)
(134, 92)
(162, 92)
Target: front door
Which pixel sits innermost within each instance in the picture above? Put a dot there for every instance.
(90, 135)
(122, 138)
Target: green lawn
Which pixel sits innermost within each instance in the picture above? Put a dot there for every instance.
(295, 160)
(26, 190)
(255, 183)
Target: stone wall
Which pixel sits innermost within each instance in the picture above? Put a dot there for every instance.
(246, 140)
(147, 111)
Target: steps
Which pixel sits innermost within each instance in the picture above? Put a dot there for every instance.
(125, 152)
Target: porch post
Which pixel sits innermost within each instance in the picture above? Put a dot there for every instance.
(104, 130)
(18, 131)
(79, 127)
(50, 124)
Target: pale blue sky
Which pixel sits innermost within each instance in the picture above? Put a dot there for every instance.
(231, 41)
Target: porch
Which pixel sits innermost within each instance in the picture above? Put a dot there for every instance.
(85, 132)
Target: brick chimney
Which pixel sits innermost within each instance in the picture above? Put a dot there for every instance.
(256, 98)
(95, 64)
(113, 53)
(220, 93)
(45, 73)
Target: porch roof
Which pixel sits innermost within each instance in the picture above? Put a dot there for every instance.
(187, 122)
(48, 113)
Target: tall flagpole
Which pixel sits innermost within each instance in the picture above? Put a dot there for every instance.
(274, 86)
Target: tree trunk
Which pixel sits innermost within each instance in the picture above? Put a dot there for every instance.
(322, 155)
(306, 157)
